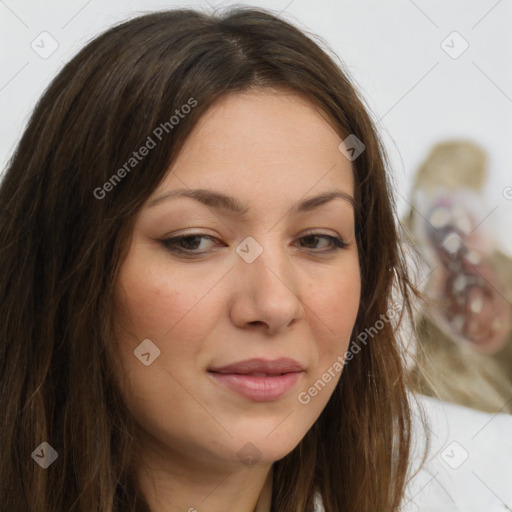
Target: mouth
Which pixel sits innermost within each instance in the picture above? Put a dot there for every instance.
(259, 380)
(253, 374)
(264, 367)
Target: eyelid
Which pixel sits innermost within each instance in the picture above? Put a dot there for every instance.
(318, 231)
(190, 232)
(337, 242)
(203, 232)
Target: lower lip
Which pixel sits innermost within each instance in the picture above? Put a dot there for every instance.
(259, 389)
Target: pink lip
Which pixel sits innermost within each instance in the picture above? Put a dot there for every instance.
(276, 366)
(242, 377)
(259, 389)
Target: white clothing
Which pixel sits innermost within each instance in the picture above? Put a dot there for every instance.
(469, 462)
(469, 465)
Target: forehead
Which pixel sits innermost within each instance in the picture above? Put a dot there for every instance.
(262, 145)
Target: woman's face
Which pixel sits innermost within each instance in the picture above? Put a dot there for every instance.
(270, 282)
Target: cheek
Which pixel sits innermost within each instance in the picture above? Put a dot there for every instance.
(336, 305)
(166, 308)
(154, 302)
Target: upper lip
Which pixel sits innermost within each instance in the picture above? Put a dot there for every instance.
(271, 367)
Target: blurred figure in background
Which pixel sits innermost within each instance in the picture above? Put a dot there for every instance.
(465, 326)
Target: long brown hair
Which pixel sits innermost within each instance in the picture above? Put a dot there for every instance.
(63, 246)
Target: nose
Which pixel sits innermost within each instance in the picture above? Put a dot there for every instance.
(266, 293)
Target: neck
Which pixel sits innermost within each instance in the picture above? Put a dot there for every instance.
(173, 482)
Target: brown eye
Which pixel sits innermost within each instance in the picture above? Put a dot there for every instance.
(186, 244)
(335, 243)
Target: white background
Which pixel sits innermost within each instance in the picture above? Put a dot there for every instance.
(418, 92)
(392, 49)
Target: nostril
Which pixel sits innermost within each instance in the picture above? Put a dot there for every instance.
(256, 322)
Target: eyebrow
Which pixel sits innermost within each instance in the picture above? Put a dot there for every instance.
(219, 200)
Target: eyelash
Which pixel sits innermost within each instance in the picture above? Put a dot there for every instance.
(337, 243)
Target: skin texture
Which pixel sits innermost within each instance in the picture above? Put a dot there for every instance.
(269, 149)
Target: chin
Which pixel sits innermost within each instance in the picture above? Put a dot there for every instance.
(267, 443)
